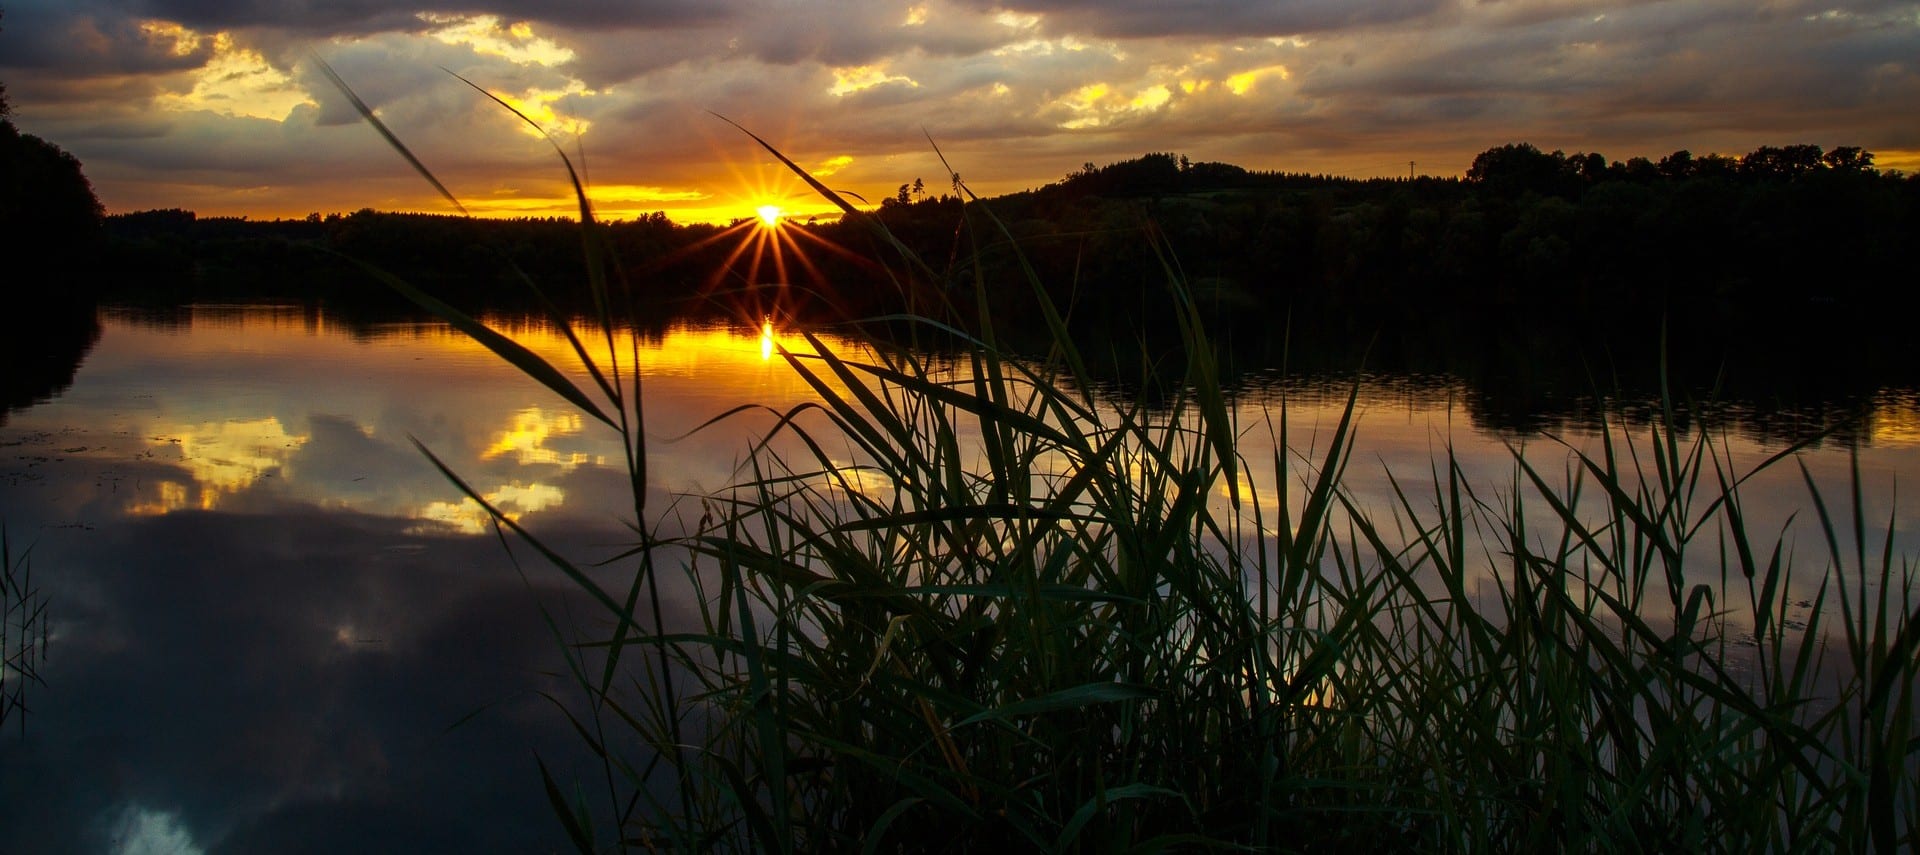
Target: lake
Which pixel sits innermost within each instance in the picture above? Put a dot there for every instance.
(273, 626)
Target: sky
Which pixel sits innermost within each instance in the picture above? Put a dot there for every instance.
(221, 107)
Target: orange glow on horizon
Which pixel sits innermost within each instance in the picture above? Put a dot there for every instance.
(727, 359)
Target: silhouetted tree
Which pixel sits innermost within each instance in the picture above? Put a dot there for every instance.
(1640, 169)
(1677, 165)
(1516, 168)
(1593, 166)
(1716, 166)
(1848, 158)
(47, 210)
(1781, 162)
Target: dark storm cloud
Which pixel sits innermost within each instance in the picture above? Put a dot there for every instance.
(318, 17)
(335, 17)
(1227, 18)
(1638, 75)
(855, 32)
(76, 41)
(94, 38)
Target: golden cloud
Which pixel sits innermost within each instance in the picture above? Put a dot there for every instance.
(847, 81)
(1242, 83)
(485, 34)
(832, 165)
(235, 81)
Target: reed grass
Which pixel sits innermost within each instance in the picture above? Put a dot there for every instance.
(1025, 615)
(24, 630)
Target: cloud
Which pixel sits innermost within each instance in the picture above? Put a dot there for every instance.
(1624, 77)
(360, 17)
(1217, 18)
(50, 38)
(164, 104)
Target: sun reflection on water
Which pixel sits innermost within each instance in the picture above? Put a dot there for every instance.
(1896, 420)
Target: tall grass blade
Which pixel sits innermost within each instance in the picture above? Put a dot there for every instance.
(366, 113)
(514, 353)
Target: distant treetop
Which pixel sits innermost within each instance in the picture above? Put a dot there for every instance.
(1515, 168)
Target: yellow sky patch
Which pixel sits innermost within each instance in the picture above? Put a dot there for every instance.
(916, 16)
(1151, 98)
(1242, 83)
(847, 81)
(612, 201)
(832, 165)
(1097, 104)
(627, 194)
(537, 104)
(515, 42)
(628, 202)
(1085, 103)
(1905, 160)
(236, 81)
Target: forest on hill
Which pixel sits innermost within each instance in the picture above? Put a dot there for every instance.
(1780, 227)
(1538, 273)
(1524, 227)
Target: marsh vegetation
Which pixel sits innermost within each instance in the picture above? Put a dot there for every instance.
(985, 606)
(1008, 577)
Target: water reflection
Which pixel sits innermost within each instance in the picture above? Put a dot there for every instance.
(219, 459)
(271, 607)
(41, 351)
(1894, 419)
(527, 438)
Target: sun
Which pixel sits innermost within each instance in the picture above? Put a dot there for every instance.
(768, 271)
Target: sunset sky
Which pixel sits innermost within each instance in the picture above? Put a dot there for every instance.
(218, 105)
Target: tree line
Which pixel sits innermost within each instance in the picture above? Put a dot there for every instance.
(1781, 227)
(1518, 274)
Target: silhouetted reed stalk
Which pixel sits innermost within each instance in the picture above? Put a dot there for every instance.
(23, 631)
(1023, 616)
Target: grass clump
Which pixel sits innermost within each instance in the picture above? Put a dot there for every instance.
(1023, 614)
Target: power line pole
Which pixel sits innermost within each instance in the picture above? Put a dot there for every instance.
(1409, 170)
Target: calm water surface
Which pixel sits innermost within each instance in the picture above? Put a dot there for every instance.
(274, 627)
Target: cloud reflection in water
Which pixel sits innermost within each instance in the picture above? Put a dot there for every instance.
(269, 610)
